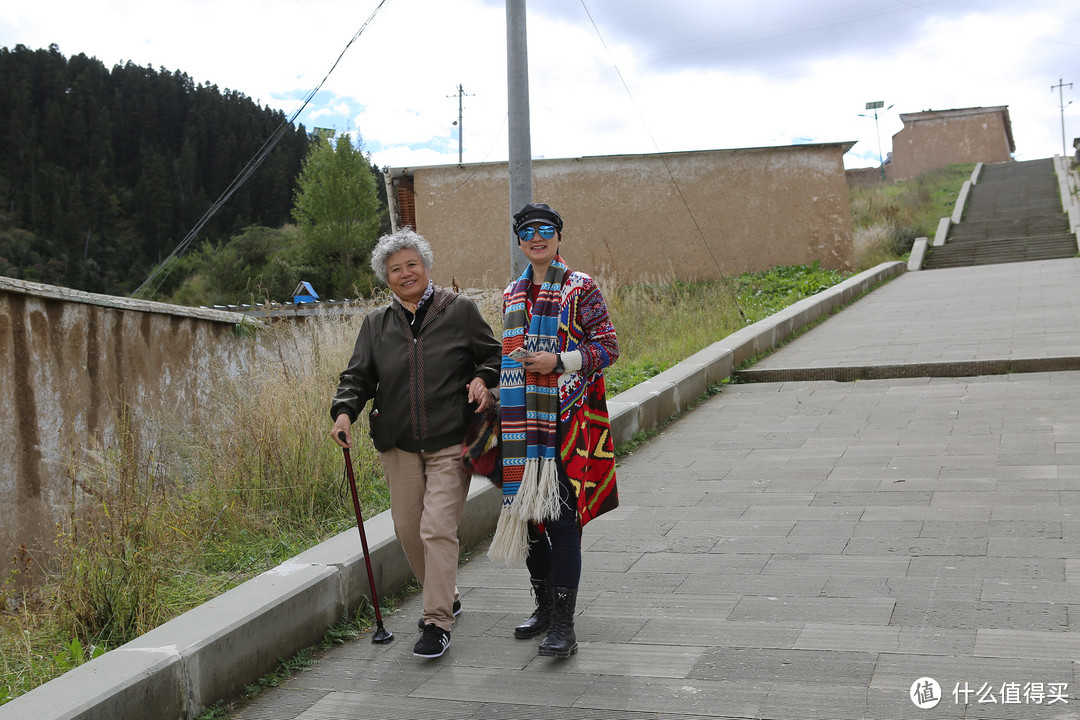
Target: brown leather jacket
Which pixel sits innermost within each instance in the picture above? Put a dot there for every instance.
(418, 385)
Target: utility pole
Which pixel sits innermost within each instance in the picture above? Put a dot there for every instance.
(517, 79)
(1061, 99)
(460, 121)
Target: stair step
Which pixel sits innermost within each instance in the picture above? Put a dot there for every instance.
(1062, 240)
(961, 259)
(1013, 214)
(1044, 237)
(1045, 219)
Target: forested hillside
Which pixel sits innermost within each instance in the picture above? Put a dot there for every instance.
(103, 171)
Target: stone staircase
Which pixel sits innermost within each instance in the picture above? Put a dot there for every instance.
(1013, 214)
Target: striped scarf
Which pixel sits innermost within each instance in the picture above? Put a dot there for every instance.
(530, 414)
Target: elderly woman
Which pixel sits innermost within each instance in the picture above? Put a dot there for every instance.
(426, 360)
(558, 457)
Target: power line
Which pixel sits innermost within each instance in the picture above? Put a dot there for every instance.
(161, 272)
(486, 156)
(671, 175)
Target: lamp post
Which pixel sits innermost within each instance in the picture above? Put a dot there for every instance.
(875, 106)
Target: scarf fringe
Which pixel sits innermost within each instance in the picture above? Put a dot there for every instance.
(538, 497)
(546, 504)
(526, 494)
(511, 542)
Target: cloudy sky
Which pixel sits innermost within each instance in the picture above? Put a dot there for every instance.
(605, 76)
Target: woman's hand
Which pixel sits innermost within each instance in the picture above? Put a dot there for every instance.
(541, 363)
(479, 394)
(342, 425)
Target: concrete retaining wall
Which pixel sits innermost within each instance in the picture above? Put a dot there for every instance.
(1069, 185)
(72, 360)
(213, 651)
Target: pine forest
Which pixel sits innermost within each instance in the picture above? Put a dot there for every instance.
(104, 171)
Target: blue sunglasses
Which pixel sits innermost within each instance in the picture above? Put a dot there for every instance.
(546, 231)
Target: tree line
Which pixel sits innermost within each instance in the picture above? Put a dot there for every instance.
(104, 171)
(339, 210)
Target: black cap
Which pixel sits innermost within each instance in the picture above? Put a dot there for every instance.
(536, 212)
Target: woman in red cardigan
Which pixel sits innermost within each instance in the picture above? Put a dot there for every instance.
(557, 453)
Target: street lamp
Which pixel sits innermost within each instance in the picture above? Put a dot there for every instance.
(875, 106)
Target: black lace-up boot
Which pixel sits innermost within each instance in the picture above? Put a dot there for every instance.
(539, 621)
(561, 641)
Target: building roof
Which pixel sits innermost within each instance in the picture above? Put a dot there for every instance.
(844, 145)
(304, 289)
(927, 115)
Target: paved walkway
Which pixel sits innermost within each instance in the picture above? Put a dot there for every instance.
(803, 549)
(988, 319)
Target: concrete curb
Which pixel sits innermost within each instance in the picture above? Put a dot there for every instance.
(946, 223)
(918, 254)
(942, 231)
(961, 200)
(1070, 201)
(211, 652)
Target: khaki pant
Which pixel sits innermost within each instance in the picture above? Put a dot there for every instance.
(427, 500)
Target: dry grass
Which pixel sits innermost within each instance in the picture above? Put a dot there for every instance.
(873, 246)
(887, 218)
(163, 524)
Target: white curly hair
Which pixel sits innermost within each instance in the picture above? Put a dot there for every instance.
(403, 239)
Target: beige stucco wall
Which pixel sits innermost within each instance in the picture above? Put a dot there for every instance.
(928, 141)
(68, 359)
(863, 177)
(716, 213)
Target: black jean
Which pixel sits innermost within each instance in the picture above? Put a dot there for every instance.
(557, 550)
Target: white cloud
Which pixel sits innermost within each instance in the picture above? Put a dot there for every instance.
(701, 74)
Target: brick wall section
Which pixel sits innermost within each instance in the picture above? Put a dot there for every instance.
(937, 138)
(692, 215)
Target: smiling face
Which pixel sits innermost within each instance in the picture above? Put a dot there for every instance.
(540, 251)
(406, 275)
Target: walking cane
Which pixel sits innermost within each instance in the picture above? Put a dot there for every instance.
(382, 635)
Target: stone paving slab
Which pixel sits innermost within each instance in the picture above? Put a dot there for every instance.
(1019, 312)
(899, 585)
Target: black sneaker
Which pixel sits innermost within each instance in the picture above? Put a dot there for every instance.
(432, 643)
(457, 611)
